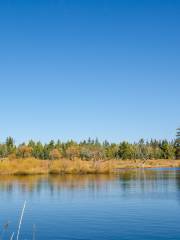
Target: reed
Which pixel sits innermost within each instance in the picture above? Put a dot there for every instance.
(12, 235)
(5, 227)
(20, 221)
(32, 166)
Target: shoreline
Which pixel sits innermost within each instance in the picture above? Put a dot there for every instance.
(32, 166)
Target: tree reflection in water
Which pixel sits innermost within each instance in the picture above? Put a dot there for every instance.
(127, 180)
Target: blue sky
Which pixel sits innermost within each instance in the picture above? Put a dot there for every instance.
(95, 68)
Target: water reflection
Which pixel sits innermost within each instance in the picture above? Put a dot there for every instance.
(144, 180)
(131, 205)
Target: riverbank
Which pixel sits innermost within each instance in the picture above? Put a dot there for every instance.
(32, 166)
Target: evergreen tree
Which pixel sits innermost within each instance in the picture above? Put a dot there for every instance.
(177, 144)
(10, 145)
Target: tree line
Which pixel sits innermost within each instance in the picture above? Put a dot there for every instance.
(93, 149)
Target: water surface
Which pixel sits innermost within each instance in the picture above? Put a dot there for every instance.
(132, 205)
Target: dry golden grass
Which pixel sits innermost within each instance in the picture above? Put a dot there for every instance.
(78, 166)
(157, 163)
(23, 166)
(32, 166)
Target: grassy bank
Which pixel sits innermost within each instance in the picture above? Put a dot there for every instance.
(32, 166)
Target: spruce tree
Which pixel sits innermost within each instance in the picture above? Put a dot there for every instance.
(177, 144)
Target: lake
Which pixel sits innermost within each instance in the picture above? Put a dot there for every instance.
(131, 205)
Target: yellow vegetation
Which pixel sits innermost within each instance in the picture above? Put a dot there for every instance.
(28, 166)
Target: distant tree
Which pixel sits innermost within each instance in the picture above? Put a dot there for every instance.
(106, 143)
(126, 151)
(58, 144)
(97, 153)
(111, 151)
(24, 151)
(10, 145)
(3, 151)
(51, 144)
(177, 144)
(55, 154)
(85, 152)
(38, 151)
(72, 151)
(168, 151)
(93, 149)
(31, 144)
(144, 150)
(96, 142)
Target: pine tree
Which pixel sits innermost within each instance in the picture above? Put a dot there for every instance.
(177, 144)
(10, 145)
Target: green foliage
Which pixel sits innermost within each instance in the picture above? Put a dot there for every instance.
(177, 144)
(111, 150)
(24, 151)
(126, 151)
(10, 145)
(3, 151)
(93, 149)
(168, 150)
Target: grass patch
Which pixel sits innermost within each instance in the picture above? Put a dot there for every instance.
(32, 166)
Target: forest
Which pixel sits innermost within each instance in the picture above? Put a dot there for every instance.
(92, 149)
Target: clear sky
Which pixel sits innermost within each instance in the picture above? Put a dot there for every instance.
(89, 68)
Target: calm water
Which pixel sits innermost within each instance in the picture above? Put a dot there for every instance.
(132, 205)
